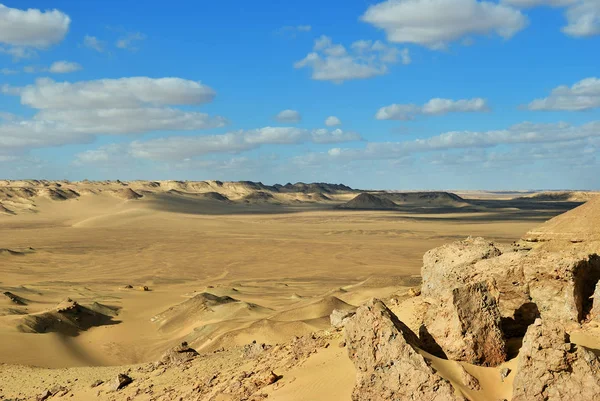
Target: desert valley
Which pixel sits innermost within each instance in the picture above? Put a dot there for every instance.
(261, 285)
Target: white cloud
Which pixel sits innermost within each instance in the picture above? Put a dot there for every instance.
(583, 95)
(94, 43)
(435, 23)
(583, 16)
(583, 19)
(130, 120)
(76, 112)
(436, 106)
(524, 133)
(58, 67)
(288, 116)
(332, 121)
(8, 71)
(64, 67)
(128, 42)
(32, 27)
(115, 93)
(335, 136)
(18, 53)
(333, 62)
(185, 147)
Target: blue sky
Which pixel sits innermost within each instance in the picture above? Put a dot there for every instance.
(422, 94)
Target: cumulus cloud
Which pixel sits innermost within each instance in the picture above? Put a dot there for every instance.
(288, 116)
(115, 93)
(435, 23)
(334, 136)
(64, 67)
(583, 19)
(128, 42)
(32, 27)
(94, 43)
(520, 134)
(366, 59)
(436, 106)
(76, 112)
(583, 95)
(332, 121)
(185, 147)
(18, 53)
(583, 16)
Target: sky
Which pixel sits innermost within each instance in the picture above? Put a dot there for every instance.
(396, 94)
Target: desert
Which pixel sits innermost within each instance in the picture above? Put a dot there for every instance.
(239, 290)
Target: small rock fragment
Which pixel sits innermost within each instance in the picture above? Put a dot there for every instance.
(504, 373)
(338, 317)
(96, 383)
(121, 381)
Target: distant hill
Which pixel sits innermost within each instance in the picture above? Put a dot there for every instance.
(560, 196)
(425, 199)
(367, 201)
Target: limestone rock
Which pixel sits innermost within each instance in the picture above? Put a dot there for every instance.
(447, 265)
(550, 368)
(467, 325)
(469, 380)
(121, 381)
(595, 313)
(339, 317)
(179, 354)
(388, 366)
(561, 283)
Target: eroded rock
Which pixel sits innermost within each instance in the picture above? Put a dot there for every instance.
(121, 381)
(550, 368)
(180, 354)
(466, 325)
(388, 366)
(338, 317)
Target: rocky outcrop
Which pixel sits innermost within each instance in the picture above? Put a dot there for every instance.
(178, 355)
(555, 285)
(446, 266)
(595, 312)
(561, 284)
(466, 325)
(550, 368)
(382, 349)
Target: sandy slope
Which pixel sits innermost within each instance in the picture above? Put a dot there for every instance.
(277, 269)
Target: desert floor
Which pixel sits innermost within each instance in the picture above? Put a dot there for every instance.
(290, 266)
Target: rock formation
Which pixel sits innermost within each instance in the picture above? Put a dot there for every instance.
(550, 368)
(388, 366)
(466, 325)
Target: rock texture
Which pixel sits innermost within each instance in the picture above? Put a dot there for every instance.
(388, 366)
(555, 285)
(179, 355)
(550, 368)
(466, 325)
(339, 317)
(595, 312)
(561, 283)
(447, 266)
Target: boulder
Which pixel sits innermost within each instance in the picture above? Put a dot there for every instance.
(561, 283)
(388, 366)
(550, 368)
(339, 317)
(121, 381)
(466, 325)
(448, 265)
(179, 354)
(595, 312)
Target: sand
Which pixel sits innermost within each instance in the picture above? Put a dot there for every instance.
(274, 267)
